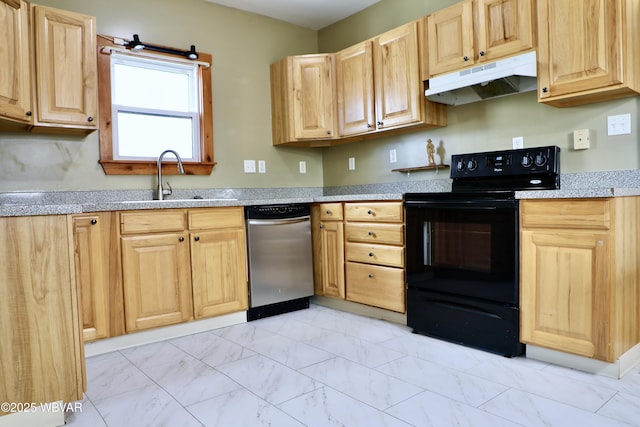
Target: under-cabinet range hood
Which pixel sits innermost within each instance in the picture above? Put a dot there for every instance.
(508, 76)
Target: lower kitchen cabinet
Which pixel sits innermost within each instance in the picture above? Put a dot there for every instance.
(181, 264)
(328, 249)
(156, 279)
(218, 261)
(359, 253)
(97, 275)
(41, 353)
(580, 275)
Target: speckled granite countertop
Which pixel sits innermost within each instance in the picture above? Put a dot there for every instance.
(580, 185)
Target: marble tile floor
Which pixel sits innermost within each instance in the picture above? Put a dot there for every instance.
(322, 367)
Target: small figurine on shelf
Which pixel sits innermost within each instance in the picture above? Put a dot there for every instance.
(431, 149)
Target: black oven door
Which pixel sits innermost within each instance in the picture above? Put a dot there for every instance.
(464, 245)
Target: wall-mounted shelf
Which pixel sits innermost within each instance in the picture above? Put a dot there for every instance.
(421, 168)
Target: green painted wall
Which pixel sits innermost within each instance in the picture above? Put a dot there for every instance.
(488, 125)
(243, 45)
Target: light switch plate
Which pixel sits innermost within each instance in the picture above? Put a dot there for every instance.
(249, 166)
(303, 166)
(517, 142)
(352, 163)
(392, 156)
(262, 166)
(619, 125)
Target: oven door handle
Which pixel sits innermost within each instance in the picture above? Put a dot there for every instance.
(469, 206)
(426, 241)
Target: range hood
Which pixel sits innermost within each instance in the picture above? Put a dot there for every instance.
(508, 76)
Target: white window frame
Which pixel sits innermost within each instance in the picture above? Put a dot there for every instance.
(194, 113)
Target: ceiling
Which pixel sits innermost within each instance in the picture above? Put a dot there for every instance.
(313, 14)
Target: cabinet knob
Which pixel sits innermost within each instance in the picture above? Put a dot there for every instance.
(380, 124)
(181, 239)
(545, 90)
(371, 254)
(29, 113)
(94, 221)
(89, 119)
(369, 125)
(370, 275)
(483, 53)
(465, 59)
(321, 225)
(328, 212)
(197, 238)
(328, 132)
(370, 233)
(370, 212)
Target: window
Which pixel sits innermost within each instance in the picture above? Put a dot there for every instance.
(150, 103)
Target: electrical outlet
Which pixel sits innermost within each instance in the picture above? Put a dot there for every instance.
(352, 163)
(581, 139)
(619, 125)
(303, 166)
(262, 166)
(249, 166)
(392, 156)
(518, 142)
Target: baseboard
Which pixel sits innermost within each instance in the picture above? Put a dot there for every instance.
(362, 309)
(159, 334)
(617, 369)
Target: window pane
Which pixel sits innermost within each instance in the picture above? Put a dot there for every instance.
(142, 87)
(146, 136)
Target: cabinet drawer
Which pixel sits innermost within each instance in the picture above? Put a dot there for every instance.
(152, 221)
(377, 211)
(375, 254)
(566, 213)
(377, 286)
(216, 218)
(331, 212)
(391, 234)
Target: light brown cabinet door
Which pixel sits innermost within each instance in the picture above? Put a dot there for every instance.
(580, 46)
(450, 38)
(15, 79)
(157, 280)
(92, 276)
(312, 91)
(41, 352)
(398, 89)
(66, 67)
(354, 89)
(503, 27)
(565, 291)
(332, 258)
(219, 275)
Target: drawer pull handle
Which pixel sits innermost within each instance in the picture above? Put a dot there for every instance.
(181, 239)
(370, 275)
(328, 212)
(370, 233)
(94, 221)
(370, 254)
(197, 238)
(370, 212)
(321, 225)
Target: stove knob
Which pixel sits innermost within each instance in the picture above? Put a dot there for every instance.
(541, 160)
(472, 165)
(460, 166)
(526, 160)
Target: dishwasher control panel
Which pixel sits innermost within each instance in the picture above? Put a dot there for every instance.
(289, 210)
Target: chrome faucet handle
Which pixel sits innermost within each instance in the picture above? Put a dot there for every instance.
(167, 192)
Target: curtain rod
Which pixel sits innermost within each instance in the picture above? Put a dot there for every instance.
(109, 49)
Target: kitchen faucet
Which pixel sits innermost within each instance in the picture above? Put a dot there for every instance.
(161, 191)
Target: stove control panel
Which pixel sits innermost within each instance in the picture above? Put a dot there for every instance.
(521, 162)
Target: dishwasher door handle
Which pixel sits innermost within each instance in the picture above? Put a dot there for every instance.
(279, 221)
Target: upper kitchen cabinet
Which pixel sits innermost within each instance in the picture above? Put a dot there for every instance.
(53, 62)
(15, 85)
(302, 102)
(475, 31)
(588, 51)
(379, 85)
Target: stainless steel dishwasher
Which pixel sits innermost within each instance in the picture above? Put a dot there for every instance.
(280, 259)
